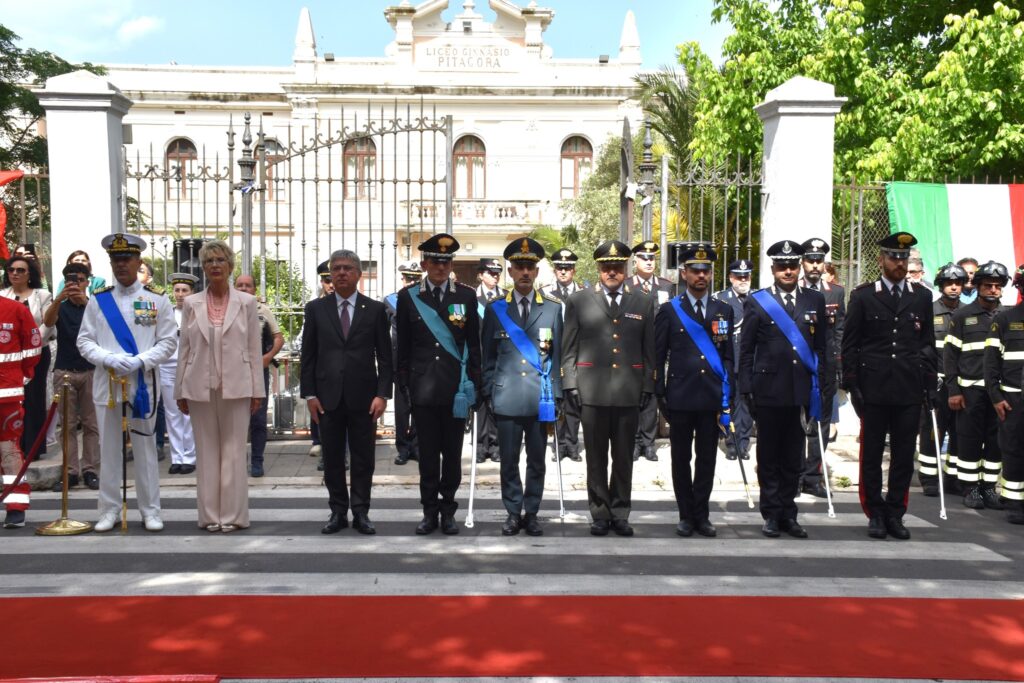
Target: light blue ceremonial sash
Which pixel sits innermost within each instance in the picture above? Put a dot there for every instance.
(704, 344)
(466, 394)
(796, 339)
(124, 337)
(523, 344)
(392, 299)
(480, 309)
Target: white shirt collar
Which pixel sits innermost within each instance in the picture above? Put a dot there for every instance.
(693, 300)
(888, 284)
(350, 299)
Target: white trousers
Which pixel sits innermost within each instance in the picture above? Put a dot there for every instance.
(147, 475)
(179, 426)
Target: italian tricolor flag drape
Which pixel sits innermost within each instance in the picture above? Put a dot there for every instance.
(951, 222)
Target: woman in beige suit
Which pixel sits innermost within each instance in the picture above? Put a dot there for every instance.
(220, 383)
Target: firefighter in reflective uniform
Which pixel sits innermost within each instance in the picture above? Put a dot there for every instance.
(20, 348)
(979, 461)
(1004, 372)
(949, 282)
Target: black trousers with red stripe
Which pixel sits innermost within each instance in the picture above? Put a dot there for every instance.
(900, 424)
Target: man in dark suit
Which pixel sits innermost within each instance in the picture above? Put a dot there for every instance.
(644, 280)
(564, 286)
(406, 443)
(889, 368)
(781, 372)
(691, 391)
(522, 346)
(813, 265)
(346, 381)
(488, 272)
(439, 365)
(608, 367)
(737, 444)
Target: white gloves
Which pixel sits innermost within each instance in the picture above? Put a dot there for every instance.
(122, 364)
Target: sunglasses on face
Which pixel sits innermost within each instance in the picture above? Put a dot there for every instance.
(643, 257)
(17, 271)
(564, 267)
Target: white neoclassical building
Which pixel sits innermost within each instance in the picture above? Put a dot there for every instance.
(366, 152)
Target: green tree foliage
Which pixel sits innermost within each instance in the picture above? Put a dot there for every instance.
(925, 99)
(20, 110)
(287, 292)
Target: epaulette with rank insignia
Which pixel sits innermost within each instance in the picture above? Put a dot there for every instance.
(153, 288)
(864, 284)
(465, 286)
(547, 296)
(104, 289)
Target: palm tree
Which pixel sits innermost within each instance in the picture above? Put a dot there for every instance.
(670, 102)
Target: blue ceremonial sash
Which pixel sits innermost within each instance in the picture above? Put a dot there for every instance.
(704, 344)
(466, 394)
(124, 336)
(523, 344)
(796, 339)
(392, 299)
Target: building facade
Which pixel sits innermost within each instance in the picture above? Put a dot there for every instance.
(464, 123)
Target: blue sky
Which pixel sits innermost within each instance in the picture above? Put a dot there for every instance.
(262, 32)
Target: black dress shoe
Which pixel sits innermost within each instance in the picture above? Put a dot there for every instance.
(930, 489)
(621, 527)
(684, 528)
(336, 522)
(793, 528)
(361, 523)
(495, 457)
(448, 525)
(706, 528)
(401, 458)
(320, 464)
(730, 456)
(636, 455)
(651, 454)
(600, 527)
(532, 526)
(817, 489)
(876, 528)
(576, 457)
(72, 482)
(481, 459)
(745, 456)
(427, 525)
(894, 525)
(175, 468)
(770, 528)
(512, 525)
(91, 480)
(186, 469)
(414, 456)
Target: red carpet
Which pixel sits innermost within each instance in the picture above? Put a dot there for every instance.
(309, 636)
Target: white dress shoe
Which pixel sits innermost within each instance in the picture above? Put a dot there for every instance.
(106, 522)
(153, 523)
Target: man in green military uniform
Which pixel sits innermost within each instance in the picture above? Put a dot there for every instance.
(608, 365)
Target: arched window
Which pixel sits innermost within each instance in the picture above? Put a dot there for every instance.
(180, 163)
(360, 161)
(577, 161)
(469, 158)
(276, 172)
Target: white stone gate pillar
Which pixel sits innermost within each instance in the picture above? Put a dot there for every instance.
(799, 136)
(84, 139)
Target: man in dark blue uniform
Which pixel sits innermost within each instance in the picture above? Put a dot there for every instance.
(406, 442)
(645, 281)
(781, 374)
(488, 272)
(693, 336)
(813, 264)
(608, 366)
(564, 286)
(439, 366)
(522, 381)
(738, 444)
(889, 368)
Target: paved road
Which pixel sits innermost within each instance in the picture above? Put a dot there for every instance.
(972, 555)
